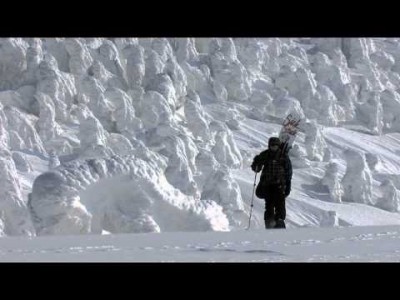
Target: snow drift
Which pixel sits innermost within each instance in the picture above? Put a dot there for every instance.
(157, 134)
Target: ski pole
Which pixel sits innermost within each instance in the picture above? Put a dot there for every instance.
(252, 198)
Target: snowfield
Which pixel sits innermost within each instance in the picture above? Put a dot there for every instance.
(139, 149)
(351, 244)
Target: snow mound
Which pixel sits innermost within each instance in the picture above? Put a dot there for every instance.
(119, 195)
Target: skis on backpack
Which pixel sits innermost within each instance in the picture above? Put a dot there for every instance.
(287, 135)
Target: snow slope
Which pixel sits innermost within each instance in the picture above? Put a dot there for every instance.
(128, 135)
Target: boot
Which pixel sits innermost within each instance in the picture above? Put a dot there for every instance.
(280, 224)
(269, 223)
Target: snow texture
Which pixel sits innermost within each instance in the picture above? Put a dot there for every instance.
(129, 135)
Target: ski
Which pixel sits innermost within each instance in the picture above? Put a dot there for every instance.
(287, 135)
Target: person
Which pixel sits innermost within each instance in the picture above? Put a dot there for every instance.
(275, 182)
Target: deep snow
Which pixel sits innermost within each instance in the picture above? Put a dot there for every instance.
(157, 135)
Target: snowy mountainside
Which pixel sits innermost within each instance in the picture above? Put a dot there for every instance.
(128, 135)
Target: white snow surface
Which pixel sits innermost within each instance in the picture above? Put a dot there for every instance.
(155, 135)
(350, 244)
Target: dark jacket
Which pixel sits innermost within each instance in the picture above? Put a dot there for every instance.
(261, 159)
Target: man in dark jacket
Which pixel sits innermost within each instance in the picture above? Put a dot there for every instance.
(275, 182)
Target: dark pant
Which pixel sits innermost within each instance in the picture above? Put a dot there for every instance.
(275, 203)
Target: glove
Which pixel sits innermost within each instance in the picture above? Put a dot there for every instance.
(256, 168)
(287, 189)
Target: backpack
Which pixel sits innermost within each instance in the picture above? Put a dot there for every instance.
(273, 173)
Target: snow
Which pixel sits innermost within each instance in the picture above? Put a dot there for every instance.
(156, 135)
(352, 244)
(118, 195)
